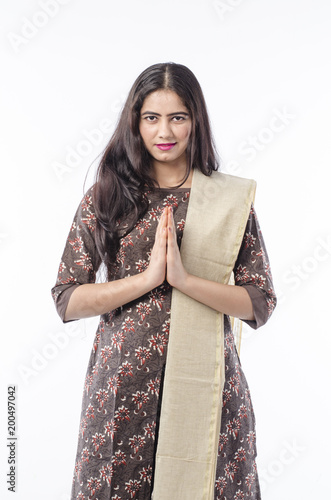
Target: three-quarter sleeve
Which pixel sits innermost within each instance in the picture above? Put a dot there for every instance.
(252, 271)
(80, 259)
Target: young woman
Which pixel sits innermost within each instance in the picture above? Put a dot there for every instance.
(166, 408)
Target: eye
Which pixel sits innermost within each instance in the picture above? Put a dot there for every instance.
(179, 118)
(151, 118)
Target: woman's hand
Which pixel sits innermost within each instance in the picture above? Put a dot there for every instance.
(156, 271)
(165, 261)
(176, 274)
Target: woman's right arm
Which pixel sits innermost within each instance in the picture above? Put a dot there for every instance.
(93, 299)
(77, 296)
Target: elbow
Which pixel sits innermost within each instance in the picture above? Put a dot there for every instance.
(68, 316)
(62, 300)
(262, 306)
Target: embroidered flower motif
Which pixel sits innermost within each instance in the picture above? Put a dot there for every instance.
(102, 397)
(106, 473)
(171, 201)
(258, 279)
(155, 213)
(242, 412)
(128, 325)
(132, 487)
(158, 342)
(226, 396)
(143, 353)
(119, 458)
(154, 386)
(150, 430)
(249, 240)
(146, 474)
(117, 340)
(89, 411)
(250, 480)
(85, 455)
(106, 353)
(242, 274)
(125, 370)
(139, 398)
(76, 244)
(233, 427)
(234, 383)
(62, 267)
(90, 221)
(84, 261)
(181, 225)
(251, 439)
(98, 440)
(255, 256)
(94, 485)
(142, 225)
(114, 383)
(223, 439)
(156, 297)
(88, 382)
(141, 265)
(111, 427)
(186, 196)
(240, 455)
(143, 310)
(230, 469)
(220, 484)
(126, 241)
(78, 468)
(120, 256)
(166, 327)
(122, 413)
(87, 202)
(137, 442)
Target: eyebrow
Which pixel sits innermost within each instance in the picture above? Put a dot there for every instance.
(170, 114)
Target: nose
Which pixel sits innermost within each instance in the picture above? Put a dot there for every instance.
(164, 131)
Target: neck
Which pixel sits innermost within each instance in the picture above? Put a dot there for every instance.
(168, 175)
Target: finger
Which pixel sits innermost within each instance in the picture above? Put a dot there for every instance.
(164, 222)
(171, 225)
(161, 224)
(173, 221)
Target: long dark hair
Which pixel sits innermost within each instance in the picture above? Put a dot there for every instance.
(125, 167)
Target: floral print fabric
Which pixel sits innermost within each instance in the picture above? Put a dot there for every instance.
(123, 385)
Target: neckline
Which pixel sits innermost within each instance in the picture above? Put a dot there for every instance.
(156, 190)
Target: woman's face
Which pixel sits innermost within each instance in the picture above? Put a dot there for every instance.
(165, 127)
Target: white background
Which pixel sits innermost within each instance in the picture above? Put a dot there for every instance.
(66, 67)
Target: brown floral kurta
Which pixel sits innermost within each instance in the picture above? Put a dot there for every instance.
(123, 385)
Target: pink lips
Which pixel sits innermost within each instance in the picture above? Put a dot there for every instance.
(167, 146)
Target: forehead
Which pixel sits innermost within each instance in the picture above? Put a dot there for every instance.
(163, 101)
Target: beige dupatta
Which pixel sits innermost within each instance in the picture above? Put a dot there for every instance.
(192, 394)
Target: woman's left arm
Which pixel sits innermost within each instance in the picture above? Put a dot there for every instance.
(252, 301)
(232, 300)
(228, 299)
